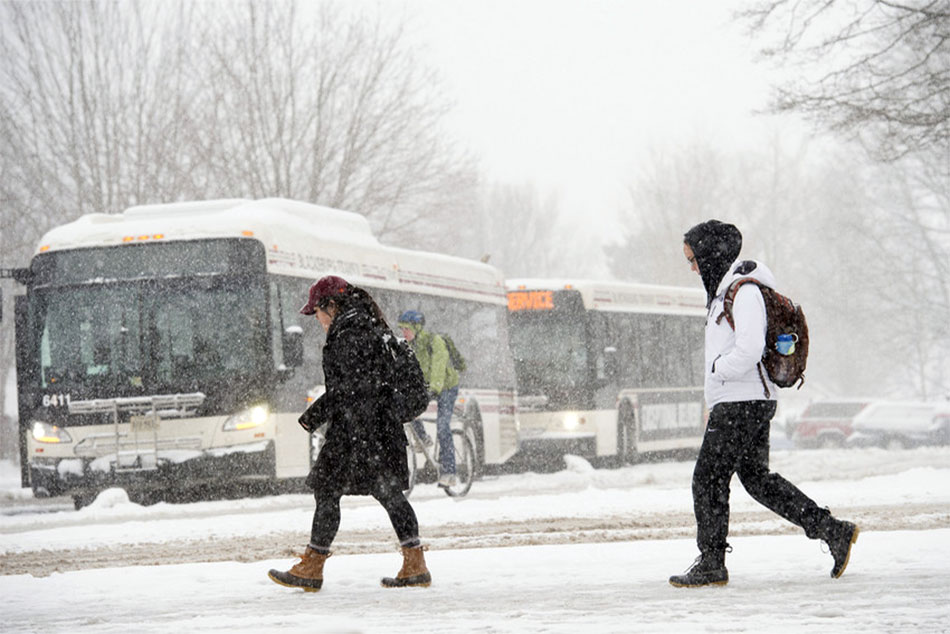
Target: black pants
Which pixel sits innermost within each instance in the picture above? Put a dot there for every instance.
(326, 517)
(737, 441)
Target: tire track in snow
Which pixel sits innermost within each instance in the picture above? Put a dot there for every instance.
(538, 531)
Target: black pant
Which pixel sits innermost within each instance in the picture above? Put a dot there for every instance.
(326, 516)
(737, 441)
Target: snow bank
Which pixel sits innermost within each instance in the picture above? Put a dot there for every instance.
(897, 582)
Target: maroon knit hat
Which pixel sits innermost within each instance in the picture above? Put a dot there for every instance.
(324, 287)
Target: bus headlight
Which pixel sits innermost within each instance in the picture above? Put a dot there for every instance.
(44, 432)
(248, 419)
(571, 421)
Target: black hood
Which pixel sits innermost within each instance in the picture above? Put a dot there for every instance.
(715, 245)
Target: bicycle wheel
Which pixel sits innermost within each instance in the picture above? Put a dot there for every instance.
(464, 464)
(411, 463)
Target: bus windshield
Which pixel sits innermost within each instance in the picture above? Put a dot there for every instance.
(550, 352)
(151, 336)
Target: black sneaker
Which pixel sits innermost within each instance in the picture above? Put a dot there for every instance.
(840, 541)
(707, 570)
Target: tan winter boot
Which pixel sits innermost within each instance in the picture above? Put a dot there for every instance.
(413, 571)
(306, 574)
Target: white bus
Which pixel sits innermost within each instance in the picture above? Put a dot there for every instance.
(607, 370)
(162, 348)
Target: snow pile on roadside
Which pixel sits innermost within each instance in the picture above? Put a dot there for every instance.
(10, 488)
(896, 582)
(630, 494)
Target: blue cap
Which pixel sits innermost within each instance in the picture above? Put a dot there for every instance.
(412, 317)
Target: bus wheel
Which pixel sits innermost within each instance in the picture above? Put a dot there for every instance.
(620, 457)
(471, 422)
(895, 443)
(146, 497)
(411, 464)
(627, 435)
(830, 442)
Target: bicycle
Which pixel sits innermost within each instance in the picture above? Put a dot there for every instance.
(464, 457)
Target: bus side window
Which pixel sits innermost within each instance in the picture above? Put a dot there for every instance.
(469, 324)
(650, 337)
(679, 357)
(293, 295)
(604, 350)
(627, 352)
(277, 324)
(695, 335)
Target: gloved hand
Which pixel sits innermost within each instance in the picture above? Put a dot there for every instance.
(305, 422)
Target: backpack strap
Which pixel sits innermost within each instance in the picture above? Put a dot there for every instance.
(765, 386)
(727, 303)
(431, 344)
(730, 299)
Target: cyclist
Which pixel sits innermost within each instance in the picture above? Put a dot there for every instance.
(443, 381)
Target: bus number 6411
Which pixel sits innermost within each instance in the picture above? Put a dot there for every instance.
(56, 400)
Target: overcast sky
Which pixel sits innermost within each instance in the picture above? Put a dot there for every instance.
(571, 94)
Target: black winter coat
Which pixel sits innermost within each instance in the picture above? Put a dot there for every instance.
(365, 449)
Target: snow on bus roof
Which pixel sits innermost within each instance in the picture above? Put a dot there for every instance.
(611, 296)
(300, 239)
(265, 218)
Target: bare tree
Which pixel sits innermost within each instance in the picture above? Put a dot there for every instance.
(107, 104)
(322, 104)
(842, 236)
(95, 101)
(93, 105)
(765, 192)
(674, 190)
(904, 240)
(514, 228)
(876, 69)
(849, 351)
(879, 71)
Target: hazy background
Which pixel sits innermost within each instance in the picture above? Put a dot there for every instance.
(555, 138)
(573, 96)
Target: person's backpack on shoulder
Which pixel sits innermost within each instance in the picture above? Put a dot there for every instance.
(458, 361)
(455, 357)
(784, 358)
(410, 394)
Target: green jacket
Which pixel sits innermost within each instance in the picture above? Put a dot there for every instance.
(433, 357)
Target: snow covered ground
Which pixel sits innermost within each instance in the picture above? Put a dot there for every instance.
(577, 550)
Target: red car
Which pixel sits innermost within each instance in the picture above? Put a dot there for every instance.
(827, 424)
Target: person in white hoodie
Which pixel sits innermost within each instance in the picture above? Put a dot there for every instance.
(741, 401)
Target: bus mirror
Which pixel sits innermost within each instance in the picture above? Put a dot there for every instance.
(611, 363)
(292, 345)
(21, 276)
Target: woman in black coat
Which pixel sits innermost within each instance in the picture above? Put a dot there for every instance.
(365, 448)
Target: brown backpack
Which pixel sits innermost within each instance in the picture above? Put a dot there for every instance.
(784, 317)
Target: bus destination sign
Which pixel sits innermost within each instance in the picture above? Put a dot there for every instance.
(530, 300)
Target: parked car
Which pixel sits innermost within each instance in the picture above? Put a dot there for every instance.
(827, 423)
(900, 424)
(783, 426)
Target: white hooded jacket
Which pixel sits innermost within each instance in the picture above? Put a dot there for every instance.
(733, 356)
